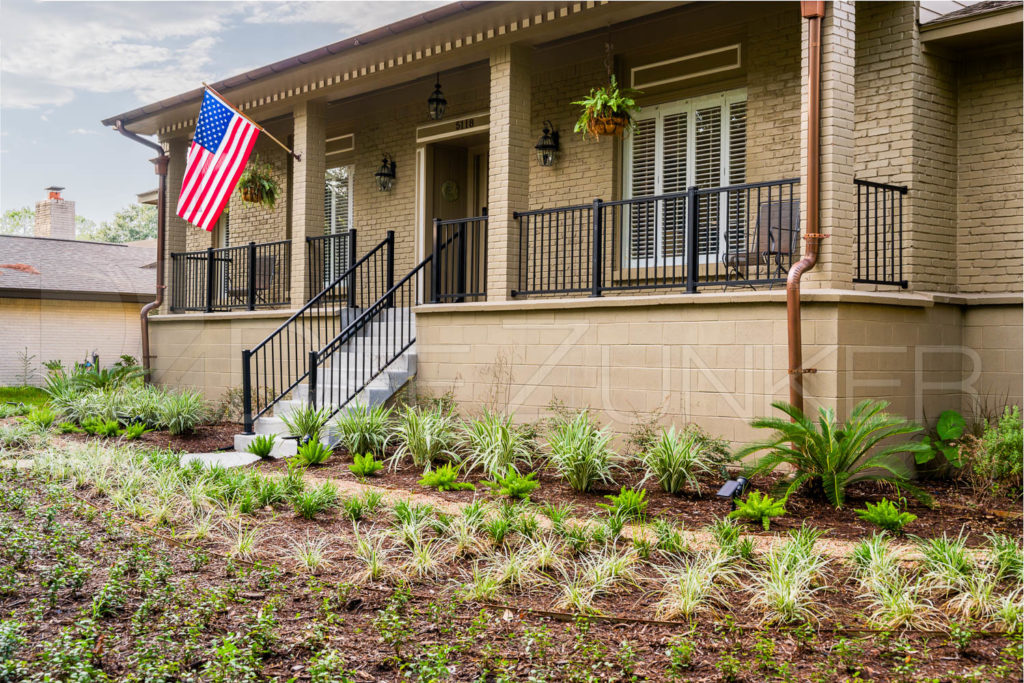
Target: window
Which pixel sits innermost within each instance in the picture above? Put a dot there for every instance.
(337, 221)
(700, 141)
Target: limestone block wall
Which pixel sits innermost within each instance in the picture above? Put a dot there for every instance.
(993, 358)
(989, 203)
(67, 331)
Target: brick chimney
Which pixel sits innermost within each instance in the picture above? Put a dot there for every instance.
(55, 216)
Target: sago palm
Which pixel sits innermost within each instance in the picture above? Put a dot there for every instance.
(828, 456)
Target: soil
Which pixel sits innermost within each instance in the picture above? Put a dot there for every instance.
(331, 608)
(208, 438)
(954, 510)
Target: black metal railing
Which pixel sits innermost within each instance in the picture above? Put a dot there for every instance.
(742, 235)
(231, 278)
(880, 233)
(460, 255)
(275, 366)
(327, 257)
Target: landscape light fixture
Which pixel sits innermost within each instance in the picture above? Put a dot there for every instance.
(547, 146)
(733, 489)
(386, 174)
(436, 103)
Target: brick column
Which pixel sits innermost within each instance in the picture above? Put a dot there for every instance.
(838, 194)
(509, 165)
(307, 198)
(175, 228)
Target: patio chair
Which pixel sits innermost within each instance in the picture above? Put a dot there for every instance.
(775, 238)
(266, 268)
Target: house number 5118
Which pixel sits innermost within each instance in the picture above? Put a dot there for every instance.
(465, 123)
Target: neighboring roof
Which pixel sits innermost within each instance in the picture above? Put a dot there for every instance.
(148, 197)
(76, 269)
(974, 10)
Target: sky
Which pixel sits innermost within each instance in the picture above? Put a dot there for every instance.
(64, 66)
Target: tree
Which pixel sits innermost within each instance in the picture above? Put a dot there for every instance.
(134, 222)
(18, 221)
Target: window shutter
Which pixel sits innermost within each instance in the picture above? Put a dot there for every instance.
(642, 184)
(737, 176)
(708, 173)
(673, 163)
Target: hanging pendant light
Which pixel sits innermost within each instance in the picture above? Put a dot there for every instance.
(436, 103)
(547, 146)
(386, 175)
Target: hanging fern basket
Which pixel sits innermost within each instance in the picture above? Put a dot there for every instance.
(252, 195)
(604, 126)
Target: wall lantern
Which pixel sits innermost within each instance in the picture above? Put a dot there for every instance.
(436, 103)
(386, 175)
(547, 146)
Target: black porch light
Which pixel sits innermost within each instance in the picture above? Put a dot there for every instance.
(547, 146)
(436, 103)
(386, 174)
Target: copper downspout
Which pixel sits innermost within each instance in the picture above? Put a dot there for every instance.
(160, 166)
(813, 12)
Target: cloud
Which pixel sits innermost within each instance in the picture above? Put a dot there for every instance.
(83, 131)
(356, 17)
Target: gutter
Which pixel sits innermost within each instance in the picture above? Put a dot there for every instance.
(160, 167)
(813, 11)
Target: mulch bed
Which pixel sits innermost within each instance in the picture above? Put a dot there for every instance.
(205, 439)
(954, 510)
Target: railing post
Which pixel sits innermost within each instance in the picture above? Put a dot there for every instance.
(251, 294)
(460, 276)
(312, 378)
(350, 288)
(389, 281)
(246, 392)
(435, 264)
(209, 279)
(691, 239)
(597, 252)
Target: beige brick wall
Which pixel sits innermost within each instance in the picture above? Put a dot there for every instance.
(989, 206)
(67, 331)
(993, 358)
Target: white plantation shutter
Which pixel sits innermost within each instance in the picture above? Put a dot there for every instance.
(736, 231)
(642, 184)
(698, 142)
(337, 214)
(673, 162)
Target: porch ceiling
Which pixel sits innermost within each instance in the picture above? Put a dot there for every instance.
(444, 38)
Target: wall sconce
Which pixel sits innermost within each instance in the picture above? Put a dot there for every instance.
(386, 175)
(436, 103)
(547, 146)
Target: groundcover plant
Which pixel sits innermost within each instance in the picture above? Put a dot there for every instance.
(119, 563)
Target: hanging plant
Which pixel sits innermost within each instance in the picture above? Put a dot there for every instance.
(257, 184)
(607, 111)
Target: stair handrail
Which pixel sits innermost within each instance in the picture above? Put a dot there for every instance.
(285, 363)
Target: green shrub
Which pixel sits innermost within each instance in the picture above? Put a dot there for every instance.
(42, 417)
(828, 457)
(425, 435)
(363, 429)
(444, 479)
(13, 409)
(675, 459)
(307, 422)
(948, 431)
(495, 444)
(996, 459)
(262, 445)
(181, 413)
(886, 515)
(69, 428)
(513, 484)
(312, 453)
(134, 431)
(365, 466)
(117, 375)
(759, 508)
(579, 452)
(628, 504)
(99, 427)
(311, 502)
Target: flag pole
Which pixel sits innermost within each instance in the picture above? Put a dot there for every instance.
(298, 157)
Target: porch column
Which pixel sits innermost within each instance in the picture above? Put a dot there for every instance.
(509, 165)
(175, 228)
(307, 198)
(838, 194)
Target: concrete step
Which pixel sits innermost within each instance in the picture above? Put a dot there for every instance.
(283, 448)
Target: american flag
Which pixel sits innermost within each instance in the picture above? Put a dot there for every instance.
(220, 148)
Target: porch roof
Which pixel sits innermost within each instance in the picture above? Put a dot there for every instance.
(446, 37)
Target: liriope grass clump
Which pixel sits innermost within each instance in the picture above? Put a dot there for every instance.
(495, 445)
(579, 451)
(364, 430)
